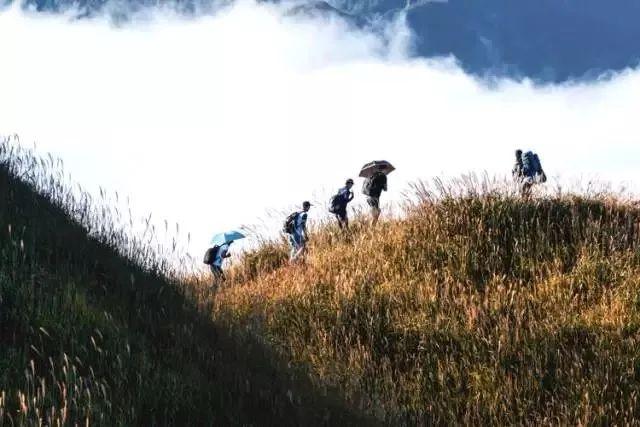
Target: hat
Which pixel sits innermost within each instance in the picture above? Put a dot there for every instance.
(349, 181)
(306, 204)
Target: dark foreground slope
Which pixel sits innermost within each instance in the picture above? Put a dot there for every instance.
(475, 308)
(86, 334)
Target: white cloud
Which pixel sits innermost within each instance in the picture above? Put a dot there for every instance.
(210, 121)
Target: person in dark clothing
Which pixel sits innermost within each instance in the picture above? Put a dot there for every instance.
(375, 185)
(339, 204)
(520, 177)
(527, 171)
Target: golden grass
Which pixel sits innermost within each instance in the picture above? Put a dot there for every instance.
(474, 307)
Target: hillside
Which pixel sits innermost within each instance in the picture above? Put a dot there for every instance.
(472, 307)
(477, 308)
(94, 330)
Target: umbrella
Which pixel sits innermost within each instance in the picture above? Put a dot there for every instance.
(370, 168)
(227, 237)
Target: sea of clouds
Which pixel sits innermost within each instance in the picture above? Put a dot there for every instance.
(212, 121)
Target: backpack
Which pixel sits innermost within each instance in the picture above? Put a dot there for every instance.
(210, 255)
(336, 204)
(290, 223)
(529, 165)
(542, 177)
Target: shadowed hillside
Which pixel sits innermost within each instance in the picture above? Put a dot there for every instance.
(476, 308)
(94, 329)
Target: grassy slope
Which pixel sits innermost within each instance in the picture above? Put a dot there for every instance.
(481, 308)
(86, 334)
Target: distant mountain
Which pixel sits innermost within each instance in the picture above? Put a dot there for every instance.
(545, 40)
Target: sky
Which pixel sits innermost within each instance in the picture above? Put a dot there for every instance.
(219, 121)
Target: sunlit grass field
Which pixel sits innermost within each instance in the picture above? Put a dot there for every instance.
(470, 306)
(476, 307)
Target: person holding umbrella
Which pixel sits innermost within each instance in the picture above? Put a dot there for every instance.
(216, 267)
(219, 252)
(375, 183)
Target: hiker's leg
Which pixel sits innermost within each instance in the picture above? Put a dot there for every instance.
(302, 248)
(374, 204)
(375, 210)
(294, 249)
(302, 252)
(342, 220)
(217, 277)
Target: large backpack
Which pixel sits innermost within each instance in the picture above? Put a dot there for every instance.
(210, 255)
(290, 223)
(542, 177)
(529, 165)
(336, 203)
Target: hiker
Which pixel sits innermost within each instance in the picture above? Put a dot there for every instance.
(373, 188)
(214, 257)
(338, 204)
(528, 171)
(296, 227)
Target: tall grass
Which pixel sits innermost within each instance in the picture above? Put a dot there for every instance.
(99, 326)
(473, 307)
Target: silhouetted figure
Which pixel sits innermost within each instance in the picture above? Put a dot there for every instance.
(373, 188)
(338, 204)
(527, 171)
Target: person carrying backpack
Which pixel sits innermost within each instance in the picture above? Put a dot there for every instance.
(338, 204)
(295, 227)
(214, 258)
(373, 188)
(527, 171)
